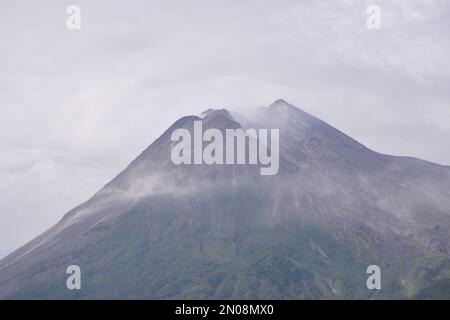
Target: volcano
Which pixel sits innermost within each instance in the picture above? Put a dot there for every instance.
(165, 231)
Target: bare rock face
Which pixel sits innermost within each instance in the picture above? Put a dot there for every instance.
(161, 231)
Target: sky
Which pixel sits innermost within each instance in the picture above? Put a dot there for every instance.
(76, 106)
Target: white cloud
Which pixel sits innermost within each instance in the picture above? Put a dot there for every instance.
(76, 107)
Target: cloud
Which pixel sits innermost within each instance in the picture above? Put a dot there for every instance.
(78, 106)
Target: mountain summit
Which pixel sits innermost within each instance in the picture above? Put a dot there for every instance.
(160, 231)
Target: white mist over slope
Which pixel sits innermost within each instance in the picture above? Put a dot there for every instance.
(77, 106)
(331, 194)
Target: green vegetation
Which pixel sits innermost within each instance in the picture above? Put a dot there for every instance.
(158, 250)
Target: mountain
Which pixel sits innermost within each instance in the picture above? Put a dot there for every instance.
(3, 253)
(160, 231)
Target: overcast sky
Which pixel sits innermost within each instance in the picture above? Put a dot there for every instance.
(77, 106)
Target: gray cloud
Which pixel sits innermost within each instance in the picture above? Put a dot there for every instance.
(76, 107)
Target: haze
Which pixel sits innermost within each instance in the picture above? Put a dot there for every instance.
(78, 106)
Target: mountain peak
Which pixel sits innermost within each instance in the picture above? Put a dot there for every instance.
(210, 113)
(282, 112)
(280, 101)
(281, 105)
